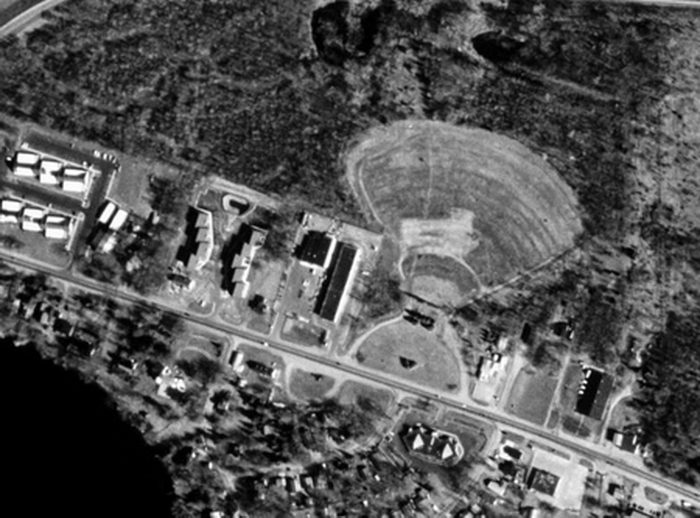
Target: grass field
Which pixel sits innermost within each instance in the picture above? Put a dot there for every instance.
(531, 396)
(309, 385)
(350, 391)
(468, 194)
(130, 186)
(440, 279)
(435, 365)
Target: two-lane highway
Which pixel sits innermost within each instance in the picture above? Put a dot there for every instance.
(592, 452)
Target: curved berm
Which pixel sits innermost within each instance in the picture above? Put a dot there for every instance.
(468, 198)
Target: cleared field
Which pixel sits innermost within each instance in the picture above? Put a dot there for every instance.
(531, 396)
(352, 391)
(465, 193)
(438, 278)
(413, 353)
(309, 385)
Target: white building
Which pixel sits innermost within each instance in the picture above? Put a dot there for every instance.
(30, 226)
(74, 184)
(26, 158)
(32, 213)
(56, 232)
(55, 219)
(51, 166)
(106, 213)
(49, 171)
(8, 218)
(48, 178)
(74, 172)
(118, 220)
(11, 206)
(23, 171)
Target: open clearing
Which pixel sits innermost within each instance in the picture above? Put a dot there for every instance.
(477, 197)
(427, 360)
(443, 280)
(531, 395)
(309, 385)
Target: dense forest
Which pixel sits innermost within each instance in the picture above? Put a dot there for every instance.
(669, 398)
(260, 95)
(270, 94)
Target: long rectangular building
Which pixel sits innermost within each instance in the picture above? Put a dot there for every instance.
(596, 387)
(335, 282)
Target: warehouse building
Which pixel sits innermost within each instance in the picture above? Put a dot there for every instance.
(336, 283)
(316, 250)
(594, 391)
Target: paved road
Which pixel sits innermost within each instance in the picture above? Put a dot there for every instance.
(23, 19)
(518, 425)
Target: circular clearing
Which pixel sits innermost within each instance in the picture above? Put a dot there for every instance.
(442, 280)
(464, 193)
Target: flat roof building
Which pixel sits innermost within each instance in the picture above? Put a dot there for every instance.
(106, 213)
(202, 235)
(118, 220)
(196, 251)
(8, 218)
(594, 391)
(73, 185)
(240, 290)
(316, 249)
(240, 275)
(202, 219)
(33, 213)
(23, 171)
(55, 219)
(50, 166)
(76, 172)
(30, 226)
(55, 232)
(200, 255)
(242, 251)
(11, 206)
(48, 178)
(26, 158)
(336, 283)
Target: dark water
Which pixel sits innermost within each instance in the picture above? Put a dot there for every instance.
(65, 451)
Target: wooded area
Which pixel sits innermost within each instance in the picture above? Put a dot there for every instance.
(669, 402)
(254, 92)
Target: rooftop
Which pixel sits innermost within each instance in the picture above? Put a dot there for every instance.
(596, 386)
(335, 283)
(315, 248)
(437, 444)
